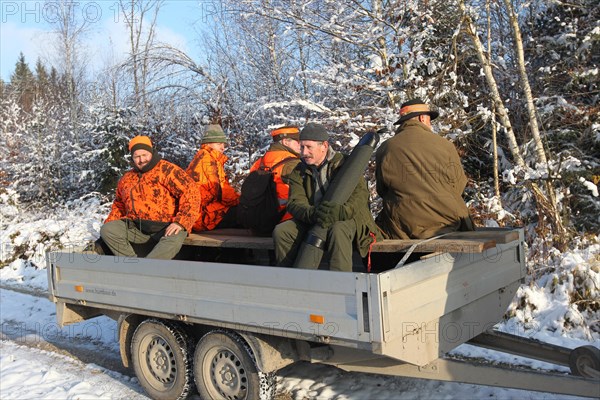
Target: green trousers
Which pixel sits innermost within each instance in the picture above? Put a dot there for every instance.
(288, 237)
(119, 235)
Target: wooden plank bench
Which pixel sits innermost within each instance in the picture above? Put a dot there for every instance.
(455, 242)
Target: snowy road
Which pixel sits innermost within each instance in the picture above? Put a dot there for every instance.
(40, 361)
(31, 373)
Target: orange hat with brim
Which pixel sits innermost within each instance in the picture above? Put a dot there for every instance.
(291, 132)
(414, 108)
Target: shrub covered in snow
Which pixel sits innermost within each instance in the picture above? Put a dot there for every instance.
(74, 225)
(562, 295)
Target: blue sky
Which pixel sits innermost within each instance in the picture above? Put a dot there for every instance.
(25, 27)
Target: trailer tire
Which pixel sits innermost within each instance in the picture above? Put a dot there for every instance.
(225, 368)
(584, 358)
(161, 359)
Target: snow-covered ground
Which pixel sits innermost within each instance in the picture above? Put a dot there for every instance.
(38, 360)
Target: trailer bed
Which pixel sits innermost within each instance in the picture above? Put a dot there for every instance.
(413, 314)
(457, 242)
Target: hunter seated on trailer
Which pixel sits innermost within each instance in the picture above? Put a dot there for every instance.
(219, 198)
(265, 190)
(420, 179)
(352, 221)
(348, 223)
(156, 204)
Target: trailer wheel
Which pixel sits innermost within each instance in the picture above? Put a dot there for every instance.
(585, 361)
(224, 368)
(161, 360)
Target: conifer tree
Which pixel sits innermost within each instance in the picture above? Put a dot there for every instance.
(42, 80)
(22, 83)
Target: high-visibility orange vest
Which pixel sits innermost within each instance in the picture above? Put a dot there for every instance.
(271, 158)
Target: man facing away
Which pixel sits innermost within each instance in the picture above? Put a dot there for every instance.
(284, 154)
(207, 169)
(349, 223)
(420, 179)
(156, 204)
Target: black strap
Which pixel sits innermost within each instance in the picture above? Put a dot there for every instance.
(314, 240)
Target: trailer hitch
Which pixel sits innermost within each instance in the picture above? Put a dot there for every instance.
(583, 361)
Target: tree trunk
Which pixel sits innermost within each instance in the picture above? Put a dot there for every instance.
(559, 229)
(383, 52)
(547, 206)
(520, 55)
(133, 44)
(489, 76)
(140, 44)
(493, 122)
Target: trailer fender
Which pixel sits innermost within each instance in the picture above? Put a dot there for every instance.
(126, 325)
(270, 352)
(67, 314)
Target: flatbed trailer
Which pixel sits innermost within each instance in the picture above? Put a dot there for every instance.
(224, 328)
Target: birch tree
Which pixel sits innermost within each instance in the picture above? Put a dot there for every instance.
(546, 201)
(70, 30)
(493, 121)
(140, 18)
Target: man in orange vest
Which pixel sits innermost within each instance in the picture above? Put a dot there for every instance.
(284, 154)
(219, 198)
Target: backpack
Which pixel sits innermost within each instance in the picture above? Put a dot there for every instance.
(258, 209)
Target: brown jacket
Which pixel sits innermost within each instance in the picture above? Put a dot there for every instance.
(421, 180)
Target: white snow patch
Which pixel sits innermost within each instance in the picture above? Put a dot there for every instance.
(589, 186)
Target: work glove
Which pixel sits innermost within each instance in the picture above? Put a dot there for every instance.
(329, 213)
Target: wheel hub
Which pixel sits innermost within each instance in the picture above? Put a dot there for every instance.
(160, 359)
(228, 375)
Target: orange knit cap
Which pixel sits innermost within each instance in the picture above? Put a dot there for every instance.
(140, 142)
(291, 132)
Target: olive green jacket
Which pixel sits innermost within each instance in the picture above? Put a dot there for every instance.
(304, 198)
(421, 180)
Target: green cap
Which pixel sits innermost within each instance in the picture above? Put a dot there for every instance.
(214, 134)
(316, 132)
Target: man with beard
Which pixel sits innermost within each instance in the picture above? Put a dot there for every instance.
(155, 206)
